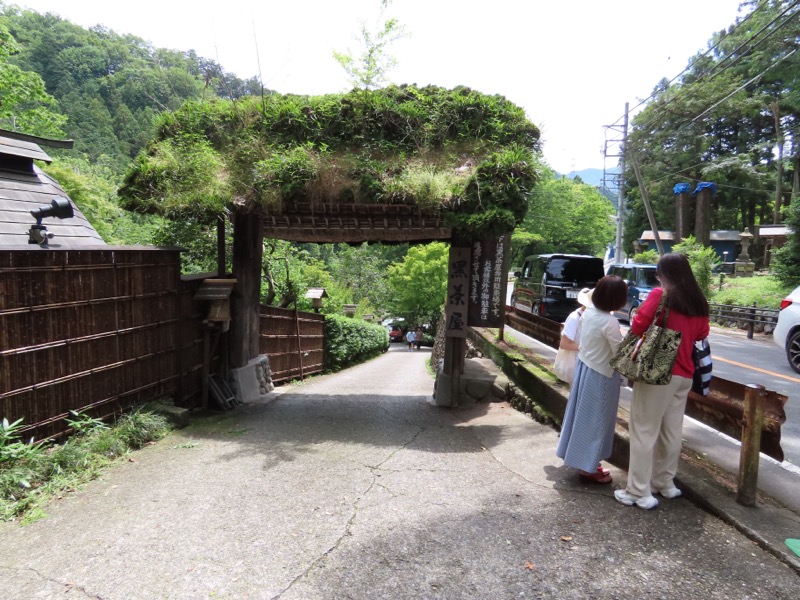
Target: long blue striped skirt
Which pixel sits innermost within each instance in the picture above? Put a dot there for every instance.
(587, 433)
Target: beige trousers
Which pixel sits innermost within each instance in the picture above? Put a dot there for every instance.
(655, 429)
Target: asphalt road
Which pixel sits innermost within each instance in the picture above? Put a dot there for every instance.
(761, 361)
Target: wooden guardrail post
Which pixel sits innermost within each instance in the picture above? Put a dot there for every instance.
(751, 445)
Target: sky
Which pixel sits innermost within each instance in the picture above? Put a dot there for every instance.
(572, 65)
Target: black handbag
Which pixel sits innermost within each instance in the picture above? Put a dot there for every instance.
(649, 357)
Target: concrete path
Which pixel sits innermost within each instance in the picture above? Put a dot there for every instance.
(355, 485)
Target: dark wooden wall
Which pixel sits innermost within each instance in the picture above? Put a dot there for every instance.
(96, 331)
(293, 341)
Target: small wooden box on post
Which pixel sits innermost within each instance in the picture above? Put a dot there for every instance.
(217, 293)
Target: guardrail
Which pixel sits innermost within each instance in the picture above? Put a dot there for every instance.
(751, 316)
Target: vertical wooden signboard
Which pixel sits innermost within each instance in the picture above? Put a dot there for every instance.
(488, 281)
(457, 303)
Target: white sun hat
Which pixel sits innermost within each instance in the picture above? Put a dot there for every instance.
(585, 297)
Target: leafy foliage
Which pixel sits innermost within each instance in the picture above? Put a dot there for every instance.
(787, 263)
(648, 257)
(369, 70)
(398, 144)
(31, 473)
(350, 341)
(564, 216)
(419, 284)
(730, 118)
(703, 260)
(25, 105)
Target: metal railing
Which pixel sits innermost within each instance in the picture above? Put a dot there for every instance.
(749, 315)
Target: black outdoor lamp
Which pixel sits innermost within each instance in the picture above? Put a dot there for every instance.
(60, 208)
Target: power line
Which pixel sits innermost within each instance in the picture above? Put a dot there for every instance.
(706, 77)
(748, 40)
(695, 60)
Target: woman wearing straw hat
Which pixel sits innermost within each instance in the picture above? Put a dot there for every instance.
(587, 433)
(564, 366)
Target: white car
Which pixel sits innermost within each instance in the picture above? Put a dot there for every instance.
(787, 331)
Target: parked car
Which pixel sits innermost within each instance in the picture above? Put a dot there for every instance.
(787, 331)
(640, 279)
(396, 332)
(548, 284)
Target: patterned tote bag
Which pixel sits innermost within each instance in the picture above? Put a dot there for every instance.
(649, 357)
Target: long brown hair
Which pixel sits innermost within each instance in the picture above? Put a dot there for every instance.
(677, 279)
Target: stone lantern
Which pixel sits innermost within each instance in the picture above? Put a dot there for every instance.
(744, 266)
(746, 238)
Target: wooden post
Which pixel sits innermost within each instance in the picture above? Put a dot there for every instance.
(299, 342)
(751, 445)
(648, 209)
(206, 363)
(220, 246)
(681, 216)
(702, 217)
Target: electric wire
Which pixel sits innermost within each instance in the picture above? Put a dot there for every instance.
(695, 60)
(685, 90)
(703, 78)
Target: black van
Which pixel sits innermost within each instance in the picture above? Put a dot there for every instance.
(640, 279)
(548, 284)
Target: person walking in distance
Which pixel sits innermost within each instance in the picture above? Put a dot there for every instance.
(587, 432)
(410, 337)
(656, 419)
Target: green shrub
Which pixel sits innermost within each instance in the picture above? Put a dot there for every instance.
(138, 427)
(351, 341)
(703, 259)
(30, 473)
(648, 257)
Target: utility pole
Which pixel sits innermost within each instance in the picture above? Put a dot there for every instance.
(615, 182)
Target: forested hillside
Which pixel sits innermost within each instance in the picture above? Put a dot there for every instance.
(110, 86)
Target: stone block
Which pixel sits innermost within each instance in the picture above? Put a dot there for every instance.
(253, 381)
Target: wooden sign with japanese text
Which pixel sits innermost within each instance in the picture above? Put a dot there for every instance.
(488, 282)
(457, 302)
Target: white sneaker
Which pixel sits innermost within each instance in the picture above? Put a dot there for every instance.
(670, 492)
(645, 502)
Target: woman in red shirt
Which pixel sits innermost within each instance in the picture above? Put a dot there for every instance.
(656, 420)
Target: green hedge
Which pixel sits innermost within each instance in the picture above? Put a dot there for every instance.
(350, 341)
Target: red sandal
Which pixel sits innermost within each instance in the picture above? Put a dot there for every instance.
(596, 477)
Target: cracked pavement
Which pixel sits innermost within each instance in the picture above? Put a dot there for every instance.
(354, 485)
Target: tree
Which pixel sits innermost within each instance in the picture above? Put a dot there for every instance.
(564, 216)
(787, 263)
(25, 105)
(368, 71)
(732, 118)
(418, 284)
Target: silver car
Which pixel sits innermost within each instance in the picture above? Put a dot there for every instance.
(787, 331)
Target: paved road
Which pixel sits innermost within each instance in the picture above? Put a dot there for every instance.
(356, 486)
(761, 361)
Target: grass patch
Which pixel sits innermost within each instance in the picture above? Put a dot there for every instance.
(32, 474)
(765, 290)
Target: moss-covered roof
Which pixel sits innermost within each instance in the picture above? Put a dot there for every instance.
(466, 155)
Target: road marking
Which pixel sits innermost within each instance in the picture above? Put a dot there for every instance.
(738, 364)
